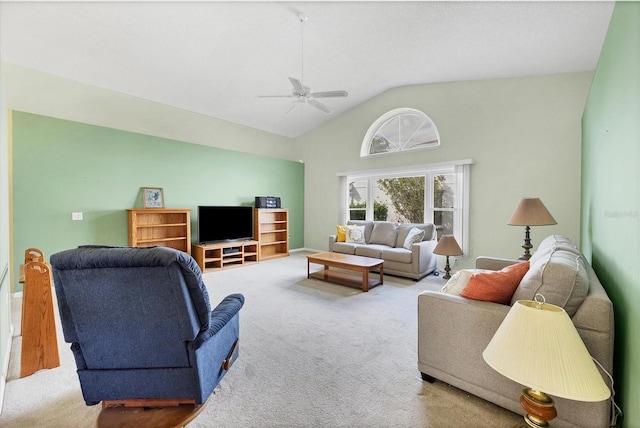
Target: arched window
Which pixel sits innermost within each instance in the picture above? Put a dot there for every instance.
(400, 130)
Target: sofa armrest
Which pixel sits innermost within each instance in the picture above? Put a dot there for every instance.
(332, 240)
(422, 256)
(453, 332)
(494, 263)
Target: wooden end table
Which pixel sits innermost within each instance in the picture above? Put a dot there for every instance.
(360, 264)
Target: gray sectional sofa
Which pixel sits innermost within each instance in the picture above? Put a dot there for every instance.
(384, 240)
(453, 331)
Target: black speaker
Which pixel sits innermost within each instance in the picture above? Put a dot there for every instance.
(268, 202)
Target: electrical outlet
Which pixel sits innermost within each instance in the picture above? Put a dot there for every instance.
(76, 216)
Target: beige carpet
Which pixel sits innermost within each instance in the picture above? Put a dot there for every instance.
(312, 354)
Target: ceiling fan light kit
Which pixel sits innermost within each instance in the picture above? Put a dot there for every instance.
(302, 93)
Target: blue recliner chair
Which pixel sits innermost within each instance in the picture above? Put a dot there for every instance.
(140, 324)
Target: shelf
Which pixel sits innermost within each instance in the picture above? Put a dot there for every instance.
(146, 241)
(211, 257)
(274, 243)
(165, 227)
(162, 225)
(271, 229)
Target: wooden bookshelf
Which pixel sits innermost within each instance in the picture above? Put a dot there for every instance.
(271, 230)
(163, 227)
(223, 255)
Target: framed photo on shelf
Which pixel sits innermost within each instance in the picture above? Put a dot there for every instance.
(152, 197)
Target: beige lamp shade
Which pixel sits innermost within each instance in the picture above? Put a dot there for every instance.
(531, 212)
(538, 346)
(448, 246)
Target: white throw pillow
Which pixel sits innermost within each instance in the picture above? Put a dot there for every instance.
(415, 236)
(458, 281)
(355, 234)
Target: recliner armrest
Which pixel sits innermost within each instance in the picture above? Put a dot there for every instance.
(220, 316)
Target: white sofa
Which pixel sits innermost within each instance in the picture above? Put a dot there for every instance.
(384, 240)
(453, 331)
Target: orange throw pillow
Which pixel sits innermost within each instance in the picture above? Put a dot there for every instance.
(497, 286)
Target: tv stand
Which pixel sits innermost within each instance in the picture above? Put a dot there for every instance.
(222, 255)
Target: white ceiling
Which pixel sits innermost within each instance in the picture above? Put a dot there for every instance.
(215, 58)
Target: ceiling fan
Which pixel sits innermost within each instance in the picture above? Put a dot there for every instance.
(302, 93)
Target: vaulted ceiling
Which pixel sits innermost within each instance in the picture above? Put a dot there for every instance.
(217, 58)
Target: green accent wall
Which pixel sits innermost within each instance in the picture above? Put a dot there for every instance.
(60, 167)
(610, 206)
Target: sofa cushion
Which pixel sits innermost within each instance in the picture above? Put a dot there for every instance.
(370, 250)
(401, 255)
(341, 233)
(457, 282)
(344, 247)
(560, 277)
(495, 286)
(414, 236)
(552, 243)
(368, 228)
(384, 233)
(403, 231)
(355, 234)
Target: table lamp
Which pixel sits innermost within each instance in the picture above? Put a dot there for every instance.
(538, 346)
(447, 246)
(530, 212)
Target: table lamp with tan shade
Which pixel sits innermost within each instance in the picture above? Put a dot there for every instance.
(447, 246)
(538, 346)
(530, 212)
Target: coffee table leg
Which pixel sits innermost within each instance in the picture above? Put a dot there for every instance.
(365, 279)
(308, 274)
(381, 274)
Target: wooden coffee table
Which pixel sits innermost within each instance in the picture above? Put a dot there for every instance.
(364, 265)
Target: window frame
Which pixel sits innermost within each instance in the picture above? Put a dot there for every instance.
(365, 148)
(460, 168)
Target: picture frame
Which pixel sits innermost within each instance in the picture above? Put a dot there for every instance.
(152, 197)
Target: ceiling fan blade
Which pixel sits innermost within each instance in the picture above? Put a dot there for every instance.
(275, 96)
(329, 94)
(297, 85)
(319, 105)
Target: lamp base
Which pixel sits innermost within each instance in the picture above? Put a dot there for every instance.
(447, 269)
(539, 407)
(526, 245)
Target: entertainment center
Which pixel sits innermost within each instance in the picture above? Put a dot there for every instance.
(227, 236)
(247, 235)
(222, 255)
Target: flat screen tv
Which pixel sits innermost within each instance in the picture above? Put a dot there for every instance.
(218, 224)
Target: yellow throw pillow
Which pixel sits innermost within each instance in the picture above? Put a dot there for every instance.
(342, 234)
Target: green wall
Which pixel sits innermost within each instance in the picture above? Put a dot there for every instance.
(61, 166)
(610, 226)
